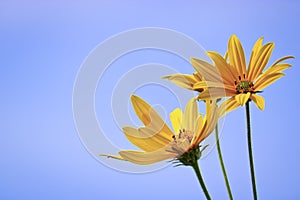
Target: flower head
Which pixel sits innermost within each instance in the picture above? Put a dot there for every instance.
(230, 78)
(159, 142)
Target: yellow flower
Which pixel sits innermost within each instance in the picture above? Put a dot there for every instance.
(159, 142)
(232, 79)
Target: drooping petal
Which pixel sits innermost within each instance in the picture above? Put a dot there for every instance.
(144, 138)
(227, 106)
(206, 70)
(190, 115)
(242, 98)
(145, 158)
(225, 70)
(176, 119)
(258, 100)
(183, 80)
(261, 61)
(150, 117)
(236, 55)
(267, 80)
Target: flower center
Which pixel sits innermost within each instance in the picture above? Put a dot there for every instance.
(183, 136)
(181, 142)
(181, 145)
(243, 86)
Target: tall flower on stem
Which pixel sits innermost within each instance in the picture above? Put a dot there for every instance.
(159, 142)
(189, 82)
(241, 85)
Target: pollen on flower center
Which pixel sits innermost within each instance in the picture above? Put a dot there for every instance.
(181, 142)
(183, 136)
(243, 86)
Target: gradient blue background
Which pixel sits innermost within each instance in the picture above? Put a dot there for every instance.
(42, 45)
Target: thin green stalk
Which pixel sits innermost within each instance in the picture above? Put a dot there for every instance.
(201, 181)
(223, 165)
(250, 151)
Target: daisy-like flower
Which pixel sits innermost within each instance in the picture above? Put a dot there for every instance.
(232, 79)
(159, 142)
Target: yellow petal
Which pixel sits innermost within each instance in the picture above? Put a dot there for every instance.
(227, 106)
(200, 133)
(209, 123)
(267, 80)
(282, 59)
(150, 117)
(212, 120)
(256, 48)
(144, 138)
(276, 69)
(259, 101)
(199, 122)
(224, 69)
(206, 70)
(259, 64)
(183, 80)
(143, 110)
(242, 98)
(176, 119)
(236, 55)
(226, 56)
(145, 158)
(197, 76)
(201, 84)
(155, 135)
(190, 115)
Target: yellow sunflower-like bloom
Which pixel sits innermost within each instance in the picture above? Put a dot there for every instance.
(231, 75)
(159, 142)
(228, 77)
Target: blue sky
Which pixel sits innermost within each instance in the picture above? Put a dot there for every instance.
(42, 46)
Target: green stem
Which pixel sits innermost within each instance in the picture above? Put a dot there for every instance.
(223, 165)
(250, 151)
(201, 181)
